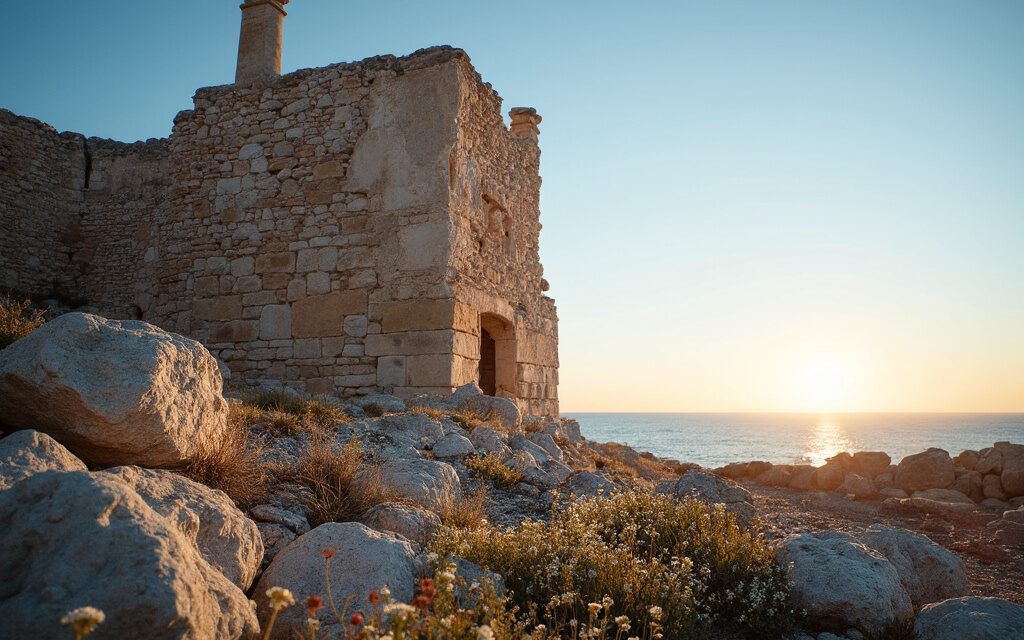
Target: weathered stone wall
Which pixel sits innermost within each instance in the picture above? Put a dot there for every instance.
(41, 178)
(348, 229)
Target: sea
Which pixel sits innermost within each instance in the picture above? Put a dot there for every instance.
(715, 439)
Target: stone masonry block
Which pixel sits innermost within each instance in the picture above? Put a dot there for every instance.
(219, 308)
(391, 371)
(413, 315)
(408, 343)
(282, 262)
(276, 322)
(320, 316)
(429, 370)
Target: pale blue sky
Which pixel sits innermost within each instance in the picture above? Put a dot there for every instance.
(740, 198)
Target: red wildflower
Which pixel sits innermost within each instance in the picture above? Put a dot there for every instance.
(356, 619)
(327, 554)
(313, 604)
(374, 597)
(421, 602)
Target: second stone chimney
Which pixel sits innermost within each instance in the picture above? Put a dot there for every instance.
(259, 43)
(524, 123)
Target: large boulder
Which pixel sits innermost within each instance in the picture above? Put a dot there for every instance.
(74, 539)
(931, 469)
(970, 618)
(857, 486)
(829, 476)
(364, 560)
(469, 397)
(24, 453)
(713, 490)
(415, 523)
(869, 463)
(927, 571)
(589, 483)
(424, 482)
(226, 538)
(113, 392)
(453, 445)
(1012, 475)
(841, 583)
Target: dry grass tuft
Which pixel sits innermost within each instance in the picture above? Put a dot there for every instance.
(331, 473)
(288, 415)
(491, 467)
(233, 463)
(470, 420)
(17, 320)
(320, 414)
(465, 512)
(374, 410)
(281, 423)
(436, 414)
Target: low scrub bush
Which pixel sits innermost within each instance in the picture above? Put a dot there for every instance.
(232, 463)
(470, 420)
(330, 473)
(435, 414)
(686, 561)
(491, 467)
(286, 414)
(17, 320)
(467, 511)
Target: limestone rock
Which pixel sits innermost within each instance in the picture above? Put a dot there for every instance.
(1005, 532)
(990, 460)
(992, 487)
(927, 571)
(829, 476)
(1012, 476)
(931, 469)
(415, 523)
(780, 475)
(870, 463)
(842, 583)
(967, 459)
(857, 486)
(713, 490)
(113, 392)
(488, 441)
(26, 452)
(226, 538)
(892, 492)
(71, 539)
(588, 483)
(453, 445)
(424, 482)
(744, 469)
(470, 398)
(416, 426)
(364, 560)
(970, 618)
(546, 442)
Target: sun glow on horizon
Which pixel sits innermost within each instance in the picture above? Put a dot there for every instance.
(825, 384)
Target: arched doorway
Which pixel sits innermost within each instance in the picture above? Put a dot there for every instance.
(497, 370)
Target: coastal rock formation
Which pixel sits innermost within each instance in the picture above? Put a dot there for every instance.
(363, 560)
(69, 539)
(927, 571)
(113, 392)
(857, 486)
(713, 490)
(970, 619)
(1012, 475)
(226, 538)
(842, 583)
(931, 469)
(24, 453)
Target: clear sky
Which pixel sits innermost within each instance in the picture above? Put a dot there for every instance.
(790, 205)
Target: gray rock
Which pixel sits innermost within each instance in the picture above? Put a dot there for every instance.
(488, 440)
(470, 398)
(272, 514)
(113, 392)
(857, 486)
(970, 619)
(226, 538)
(870, 463)
(424, 482)
(1012, 476)
(417, 426)
(364, 560)
(587, 483)
(384, 402)
(546, 442)
(415, 523)
(24, 453)
(520, 442)
(71, 539)
(842, 583)
(453, 445)
(713, 490)
(927, 571)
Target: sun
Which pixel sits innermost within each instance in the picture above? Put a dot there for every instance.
(825, 383)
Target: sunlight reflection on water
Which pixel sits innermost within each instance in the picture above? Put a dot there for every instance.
(827, 439)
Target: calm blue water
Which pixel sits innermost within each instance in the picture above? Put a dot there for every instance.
(714, 439)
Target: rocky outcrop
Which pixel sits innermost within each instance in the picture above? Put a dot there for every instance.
(970, 619)
(713, 490)
(470, 398)
(113, 392)
(24, 453)
(415, 523)
(1012, 475)
(424, 482)
(70, 539)
(931, 469)
(226, 538)
(363, 560)
(927, 571)
(842, 583)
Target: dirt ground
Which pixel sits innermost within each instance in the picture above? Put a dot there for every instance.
(992, 570)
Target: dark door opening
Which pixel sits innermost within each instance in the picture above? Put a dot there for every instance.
(488, 364)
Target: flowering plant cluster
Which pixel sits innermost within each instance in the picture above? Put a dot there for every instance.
(688, 561)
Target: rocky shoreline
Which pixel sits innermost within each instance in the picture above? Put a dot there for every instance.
(134, 483)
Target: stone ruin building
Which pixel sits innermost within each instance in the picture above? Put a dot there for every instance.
(351, 229)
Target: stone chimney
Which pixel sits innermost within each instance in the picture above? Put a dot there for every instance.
(524, 122)
(259, 43)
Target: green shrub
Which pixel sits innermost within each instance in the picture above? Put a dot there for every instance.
(491, 467)
(17, 320)
(642, 551)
